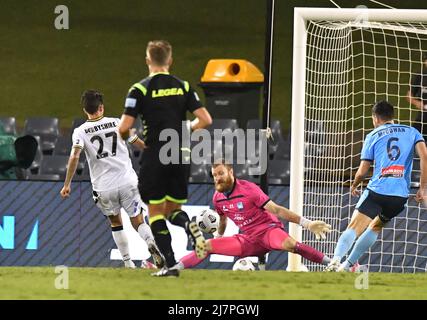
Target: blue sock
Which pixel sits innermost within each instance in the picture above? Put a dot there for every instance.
(344, 243)
(365, 241)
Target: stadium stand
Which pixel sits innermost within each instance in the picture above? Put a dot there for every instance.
(62, 146)
(223, 124)
(9, 125)
(35, 166)
(283, 151)
(199, 173)
(279, 172)
(54, 165)
(44, 177)
(46, 128)
(77, 122)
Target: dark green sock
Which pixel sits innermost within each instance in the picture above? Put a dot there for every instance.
(164, 240)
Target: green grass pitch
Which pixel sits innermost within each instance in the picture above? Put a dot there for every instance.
(120, 283)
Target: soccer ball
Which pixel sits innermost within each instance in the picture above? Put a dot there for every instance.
(243, 264)
(208, 221)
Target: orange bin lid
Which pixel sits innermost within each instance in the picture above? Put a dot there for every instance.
(231, 70)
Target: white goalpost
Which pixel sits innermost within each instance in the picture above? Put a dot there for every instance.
(344, 60)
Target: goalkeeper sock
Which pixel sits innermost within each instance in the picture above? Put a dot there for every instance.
(180, 218)
(310, 253)
(190, 260)
(344, 244)
(365, 241)
(121, 241)
(163, 238)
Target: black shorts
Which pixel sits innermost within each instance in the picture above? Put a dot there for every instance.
(159, 182)
(373, 204)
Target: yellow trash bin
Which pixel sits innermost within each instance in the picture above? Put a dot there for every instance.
(232, 89)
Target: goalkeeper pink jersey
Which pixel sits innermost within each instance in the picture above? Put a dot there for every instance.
(245, 206)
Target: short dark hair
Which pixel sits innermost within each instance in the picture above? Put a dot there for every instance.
(159, 52)
(91, 100)
(383, 110)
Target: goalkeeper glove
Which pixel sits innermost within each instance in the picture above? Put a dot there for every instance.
(319, 228)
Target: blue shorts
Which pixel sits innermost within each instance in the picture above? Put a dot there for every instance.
(373, 204)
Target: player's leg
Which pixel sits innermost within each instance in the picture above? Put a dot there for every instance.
(108, 203)
(152, 188)
(278, 239)
(358, 224)
(365, 241)
(179, 217)
(120, 239)
(391, 206)
(366, 210)
(161, 232)
(228, 246)
(133, 205)
(177, 192)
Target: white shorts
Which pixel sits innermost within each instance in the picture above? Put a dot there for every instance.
(127, 197)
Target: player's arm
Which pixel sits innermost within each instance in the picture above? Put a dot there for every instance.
(222, 225)
(360, 176)
(126, 123)
(73, 161)
(319, 228)
(422, 153)
(414, 100)
(202, 120)
(135, 140)
(133, 105)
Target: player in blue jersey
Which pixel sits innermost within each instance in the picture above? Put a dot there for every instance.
(390, 147)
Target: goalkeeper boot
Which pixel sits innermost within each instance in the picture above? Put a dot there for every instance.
(158, 258)
(165, 272)
(198, 241)
(333, 266)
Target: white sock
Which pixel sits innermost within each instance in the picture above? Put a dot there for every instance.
(121, 241)
(145, 232)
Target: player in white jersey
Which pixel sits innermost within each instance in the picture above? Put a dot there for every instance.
(114, 182)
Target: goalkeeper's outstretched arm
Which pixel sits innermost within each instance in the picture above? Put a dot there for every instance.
(283, 212)
(319, 228)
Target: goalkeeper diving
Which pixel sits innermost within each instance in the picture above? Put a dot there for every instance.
(256, 215)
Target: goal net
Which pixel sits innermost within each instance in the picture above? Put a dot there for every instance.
(349, 64)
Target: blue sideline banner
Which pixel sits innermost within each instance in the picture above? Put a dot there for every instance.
(39, 228)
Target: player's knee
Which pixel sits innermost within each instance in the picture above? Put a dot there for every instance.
(136, 221)
(115, 221)
(289, 244)
(358, 226)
